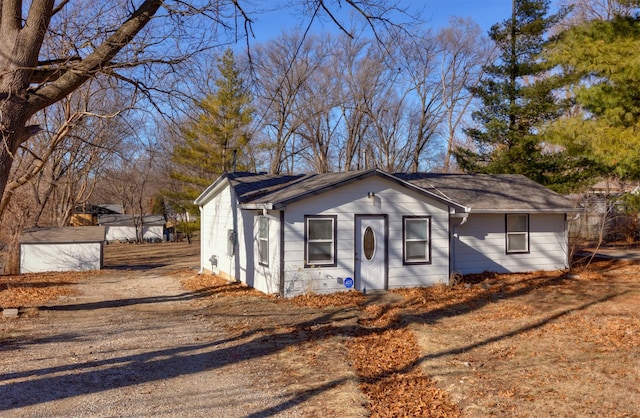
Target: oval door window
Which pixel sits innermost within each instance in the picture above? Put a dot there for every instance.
(369, 243)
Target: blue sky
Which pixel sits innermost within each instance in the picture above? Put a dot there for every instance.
(436, 13)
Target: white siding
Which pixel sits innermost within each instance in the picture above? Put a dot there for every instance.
(217, 217)
(390, 199)
(152, 232)
(479, 245)
(266, 278)
(35, 258)
(120, 233)
(220, 215)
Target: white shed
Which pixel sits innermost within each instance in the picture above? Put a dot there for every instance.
(372, 230)
(128, 227)
(62, 249)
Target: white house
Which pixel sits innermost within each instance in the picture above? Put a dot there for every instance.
(371, 230)
(62, 249)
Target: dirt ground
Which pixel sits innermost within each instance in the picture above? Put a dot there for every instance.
(540, 344)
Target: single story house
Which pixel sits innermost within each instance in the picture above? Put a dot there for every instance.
(372, 230)
(62, 249)
(128, 228)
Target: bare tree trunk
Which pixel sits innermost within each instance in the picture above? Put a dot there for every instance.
(22, 40)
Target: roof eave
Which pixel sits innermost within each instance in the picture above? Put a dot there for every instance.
(257, 206)
(527, 210)
(458, 208)
(211, 190)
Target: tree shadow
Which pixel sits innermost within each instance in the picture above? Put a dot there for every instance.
(255, 343)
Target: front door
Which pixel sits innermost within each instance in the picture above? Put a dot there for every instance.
(371, 253)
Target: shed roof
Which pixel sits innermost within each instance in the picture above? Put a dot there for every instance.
(112, 208)
(71, 234)
(129, 220)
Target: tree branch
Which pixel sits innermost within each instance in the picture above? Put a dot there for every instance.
(94, 62)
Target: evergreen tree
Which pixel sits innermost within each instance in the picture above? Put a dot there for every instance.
(218, 138)
(601, 61)
(517, 100)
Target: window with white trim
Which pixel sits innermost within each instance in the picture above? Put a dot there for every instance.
(517, 239)
(416, 238)
(320, 241)
(263, 240)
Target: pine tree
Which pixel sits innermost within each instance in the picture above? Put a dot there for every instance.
(517, 100)
(218, 139)
(601, 61)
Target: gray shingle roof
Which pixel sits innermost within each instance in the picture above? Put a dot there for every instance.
(72, 234)
(251, 187)
(480, 192)
(306, 185)
(313, 184)
(129, 220)
(492, 192)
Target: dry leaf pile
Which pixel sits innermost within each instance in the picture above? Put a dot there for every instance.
(216, 286)
(347, 299)
(388, 365)
(30, 290)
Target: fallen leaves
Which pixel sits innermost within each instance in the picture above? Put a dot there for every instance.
(216, 286)
(387, 363)
(610, 333)
(339, 300)
(549, 342)
(31, 290)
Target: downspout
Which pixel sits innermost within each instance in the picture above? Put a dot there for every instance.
(452, 239)
(201, 271)
(281, 272)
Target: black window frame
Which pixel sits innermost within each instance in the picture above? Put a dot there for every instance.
(426, 261)
(507, 233)
(311, 263)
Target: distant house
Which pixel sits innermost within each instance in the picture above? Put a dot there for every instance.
(603, 217)
(372, 230)
(87, 214)
(127, 228)
(62, 249)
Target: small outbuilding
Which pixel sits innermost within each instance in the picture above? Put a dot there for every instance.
(373, 230)
(127, 228)
(62, 249)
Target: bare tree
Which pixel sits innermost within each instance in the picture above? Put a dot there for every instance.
(419, 60)
(50, 48)
(463, 52)
(18, 214)
(73, 161)
(354, 72)
(283, 68)
(319, 99)
(30, 83)
(585, 10)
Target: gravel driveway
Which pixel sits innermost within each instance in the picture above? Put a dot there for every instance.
(134, 344)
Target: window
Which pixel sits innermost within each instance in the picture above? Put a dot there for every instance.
(517, 233)
(416, 233)
(320, 241)
(369, 243)
(263, 240)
